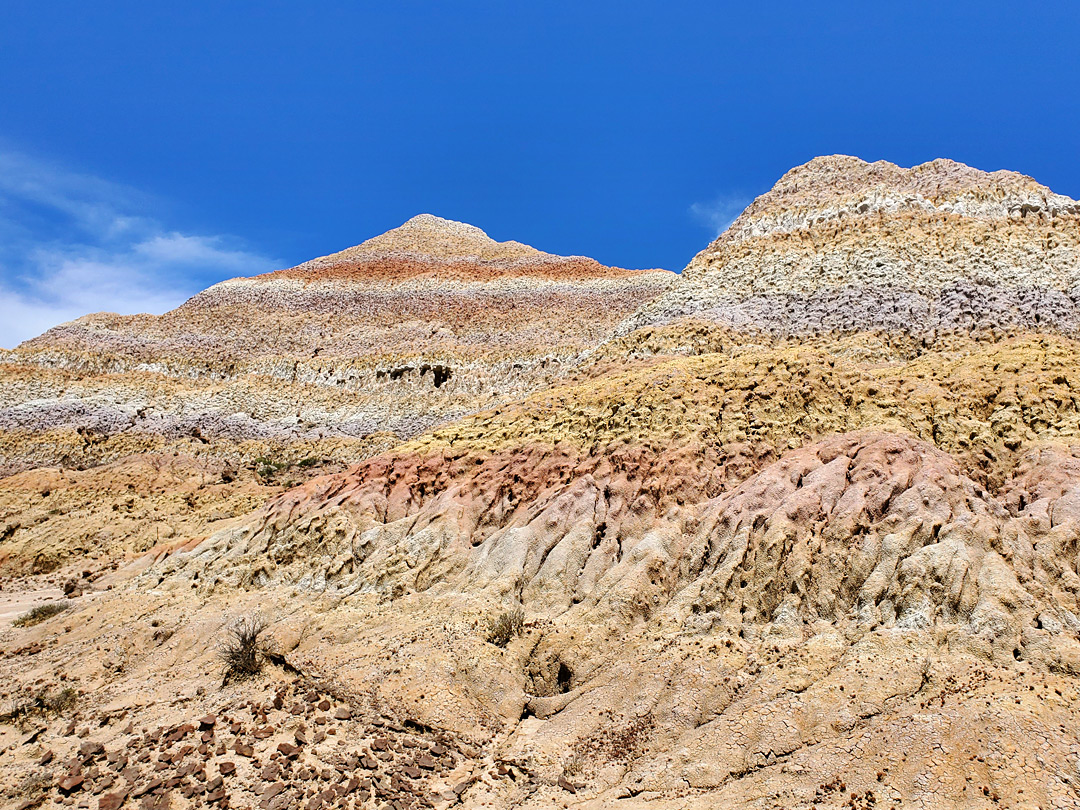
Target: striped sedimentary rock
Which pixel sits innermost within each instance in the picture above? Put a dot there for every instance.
(422, 324)
(839, 244)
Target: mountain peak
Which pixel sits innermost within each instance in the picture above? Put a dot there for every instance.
(834, 180)
(840, 244)
(435, 248)
(435, 237)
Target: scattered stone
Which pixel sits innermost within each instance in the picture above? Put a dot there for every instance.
(70, 783)
(270, 791)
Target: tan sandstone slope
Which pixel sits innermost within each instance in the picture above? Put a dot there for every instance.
(804, 532)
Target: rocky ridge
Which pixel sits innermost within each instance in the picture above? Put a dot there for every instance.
(839, 244)
(335, 358)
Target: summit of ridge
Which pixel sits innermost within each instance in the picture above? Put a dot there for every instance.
(433, 248)
(840, 244)
(829, 178)
(429, 235)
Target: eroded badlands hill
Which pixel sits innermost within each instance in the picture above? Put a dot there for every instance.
(839, 244)
(331, 358)
(257, 383)
(801, 533)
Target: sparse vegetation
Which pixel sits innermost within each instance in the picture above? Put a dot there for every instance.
(267, 468)
(62, 701)
(40, 613)
(506, 626)
(35, 787)
(614, 741)
(42, 702)
(162, 634)
(245, 650)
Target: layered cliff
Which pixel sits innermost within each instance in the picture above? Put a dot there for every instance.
(333, 358)
(839, 244)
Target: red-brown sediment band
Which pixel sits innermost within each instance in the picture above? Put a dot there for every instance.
(391, 269)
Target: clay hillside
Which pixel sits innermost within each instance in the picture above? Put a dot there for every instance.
(444, 522)
(258, 383)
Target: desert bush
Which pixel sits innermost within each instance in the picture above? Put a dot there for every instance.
(267, 468)
(19, 709)
(40, 613)
(41, 702)
(35, 787)
(61, 702)
(245, 650)
(504, 627)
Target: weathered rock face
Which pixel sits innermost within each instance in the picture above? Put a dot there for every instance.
(875, 529)
(858, 594)
(331, 358)
(843, 245)
(808, 537)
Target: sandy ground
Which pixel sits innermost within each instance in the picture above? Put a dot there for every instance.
(16, 600)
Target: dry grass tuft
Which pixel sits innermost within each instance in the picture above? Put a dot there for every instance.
(40, 613)
(244, 650)
(505, 626)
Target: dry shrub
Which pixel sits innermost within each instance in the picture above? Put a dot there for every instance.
(35, 787)
(505, 626)
(40, 613)
(62, 701)
(244, 650)
(43, 702)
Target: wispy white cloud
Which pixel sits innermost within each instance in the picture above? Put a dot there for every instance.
(71, 244)
(720, 212)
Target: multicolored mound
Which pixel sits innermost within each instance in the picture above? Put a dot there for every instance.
(798, 529)
(843, 245)
(334, 358)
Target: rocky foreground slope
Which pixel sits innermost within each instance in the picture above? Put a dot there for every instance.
(799, 533)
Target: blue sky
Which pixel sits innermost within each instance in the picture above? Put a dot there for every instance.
(149, 149)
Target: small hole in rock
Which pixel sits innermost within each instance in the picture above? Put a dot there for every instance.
(565, 676)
